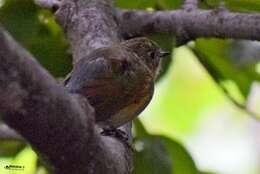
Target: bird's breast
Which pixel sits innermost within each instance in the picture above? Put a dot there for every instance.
(131, 111)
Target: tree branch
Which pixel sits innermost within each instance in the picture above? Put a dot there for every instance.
(191, 25)
(88, 24)
(38, 108)
(52, 121)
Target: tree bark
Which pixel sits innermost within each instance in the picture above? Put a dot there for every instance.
(60, 127)
(190, 25)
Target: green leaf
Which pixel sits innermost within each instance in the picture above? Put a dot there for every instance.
(216, 53)
(169, 4)
(28, 159)
(144, 4)
(152, 156)
(138, 4)
(158, 154)
(139, 129)
(200, 172)
(182, 161)
(236, 5)
(36, 30)
(10, 147)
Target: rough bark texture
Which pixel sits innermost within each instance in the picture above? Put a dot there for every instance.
(61, 130)
(89, 25)
(190, 25)
(61, 127)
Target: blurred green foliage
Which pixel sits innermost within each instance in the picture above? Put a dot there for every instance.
(236, 5)
(37, 31)
(158, 154)
(143, 4)
(180, 97)
(10, 147)
(216, 53)
(26, 158)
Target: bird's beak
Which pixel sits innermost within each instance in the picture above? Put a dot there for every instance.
(164, 53)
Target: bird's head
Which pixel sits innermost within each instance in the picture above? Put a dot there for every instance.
(147, 50)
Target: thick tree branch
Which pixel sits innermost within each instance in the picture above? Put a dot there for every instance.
(52, 121)
(90, 25)
(191, 25)
(38, 108)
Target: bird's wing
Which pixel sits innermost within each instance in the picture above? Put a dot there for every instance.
(108, 84)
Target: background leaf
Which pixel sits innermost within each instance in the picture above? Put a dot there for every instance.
(37, 31)
(236, 5)
(216, 52)
(158, 154)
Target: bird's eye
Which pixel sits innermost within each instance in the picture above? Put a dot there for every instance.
(152, 54)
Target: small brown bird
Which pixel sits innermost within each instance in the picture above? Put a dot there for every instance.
(118, 81)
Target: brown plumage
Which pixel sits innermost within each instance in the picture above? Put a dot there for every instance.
(118, 80)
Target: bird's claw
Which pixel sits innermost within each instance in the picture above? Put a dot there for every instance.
(119, 134)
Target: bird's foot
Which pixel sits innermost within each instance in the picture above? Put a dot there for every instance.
(118, 134)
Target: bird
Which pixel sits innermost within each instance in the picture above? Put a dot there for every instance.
(117, 80)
